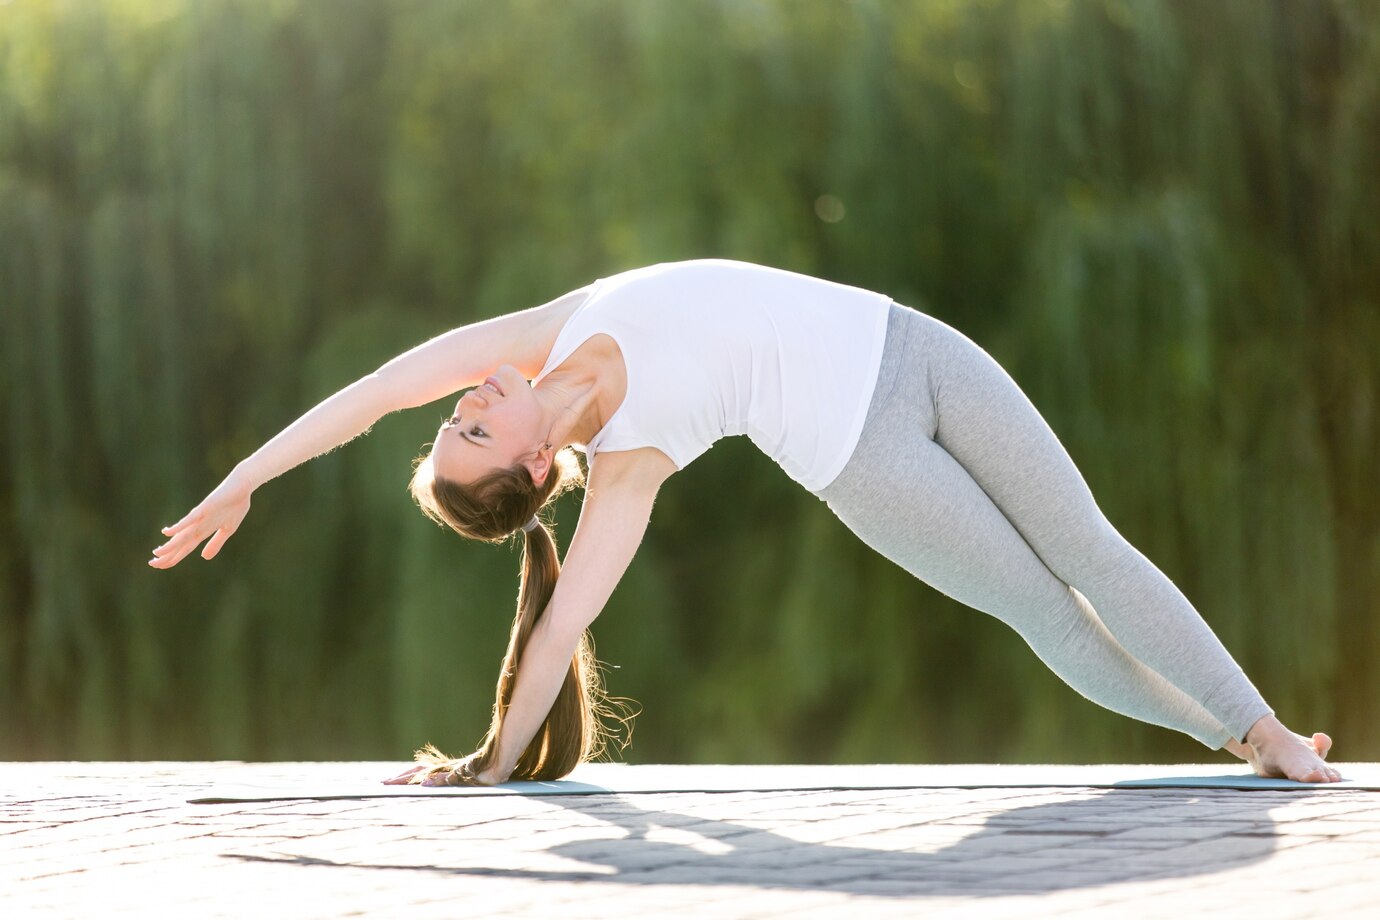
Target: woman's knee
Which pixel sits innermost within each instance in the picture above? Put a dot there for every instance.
(1090, 555)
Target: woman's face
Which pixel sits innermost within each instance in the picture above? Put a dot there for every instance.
(494, 426)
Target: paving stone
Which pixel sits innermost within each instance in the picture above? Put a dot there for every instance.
(120, 840)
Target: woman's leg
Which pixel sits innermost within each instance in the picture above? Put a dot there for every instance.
(906, 495)
(942, 528)
(990, 427)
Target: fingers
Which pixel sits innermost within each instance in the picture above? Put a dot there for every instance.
(171, 559)
(179, 535)
(441, 779)
(216, 543)
(175, 549)
(437, 776)
(174, 544)
(191, 516)
(404, 776)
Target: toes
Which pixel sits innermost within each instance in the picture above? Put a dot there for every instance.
(1321, 743)
(1320, 774)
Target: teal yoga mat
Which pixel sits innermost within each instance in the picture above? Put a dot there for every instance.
(364, 780)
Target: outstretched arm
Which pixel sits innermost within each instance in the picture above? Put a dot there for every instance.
(618, 504)
(450, 362)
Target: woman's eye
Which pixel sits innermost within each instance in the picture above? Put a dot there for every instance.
(477, 432)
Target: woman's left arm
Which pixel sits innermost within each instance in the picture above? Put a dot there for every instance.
(613, 519)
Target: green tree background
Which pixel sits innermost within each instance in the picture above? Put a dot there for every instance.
(1159, 215)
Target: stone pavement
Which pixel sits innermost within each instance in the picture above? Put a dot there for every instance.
(120, 839)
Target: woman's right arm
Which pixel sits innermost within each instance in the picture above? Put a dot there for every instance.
(452, 361)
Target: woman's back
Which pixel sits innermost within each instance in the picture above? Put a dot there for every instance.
(715, 347)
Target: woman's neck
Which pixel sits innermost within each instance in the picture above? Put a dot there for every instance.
(573, 404)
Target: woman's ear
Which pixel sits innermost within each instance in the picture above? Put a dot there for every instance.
(539, 466)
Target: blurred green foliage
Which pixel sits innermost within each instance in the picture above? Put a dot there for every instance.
(1159, 215)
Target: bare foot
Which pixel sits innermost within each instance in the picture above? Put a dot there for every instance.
(1321, 743)
(1273, 750)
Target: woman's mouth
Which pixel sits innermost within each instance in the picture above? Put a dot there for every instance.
(492, 383)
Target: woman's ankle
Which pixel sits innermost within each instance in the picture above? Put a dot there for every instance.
(1263, 728)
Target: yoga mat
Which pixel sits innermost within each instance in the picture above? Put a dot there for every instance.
(615, 778)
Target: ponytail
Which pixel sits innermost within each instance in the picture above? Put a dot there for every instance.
(572, 731)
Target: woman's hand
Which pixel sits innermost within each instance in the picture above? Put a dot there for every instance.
(218, 517)
(457, 773)
(405, 777)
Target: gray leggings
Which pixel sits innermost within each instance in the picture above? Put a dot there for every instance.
(959, 480)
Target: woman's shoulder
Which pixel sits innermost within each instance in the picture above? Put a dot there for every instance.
(644, 464)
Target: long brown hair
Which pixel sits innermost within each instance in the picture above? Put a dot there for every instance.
(494, 508)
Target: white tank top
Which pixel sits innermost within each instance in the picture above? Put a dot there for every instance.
(715, 347)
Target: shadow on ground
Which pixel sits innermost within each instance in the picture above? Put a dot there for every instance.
(1110, 836)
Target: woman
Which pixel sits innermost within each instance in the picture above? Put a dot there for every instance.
(910, 432)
